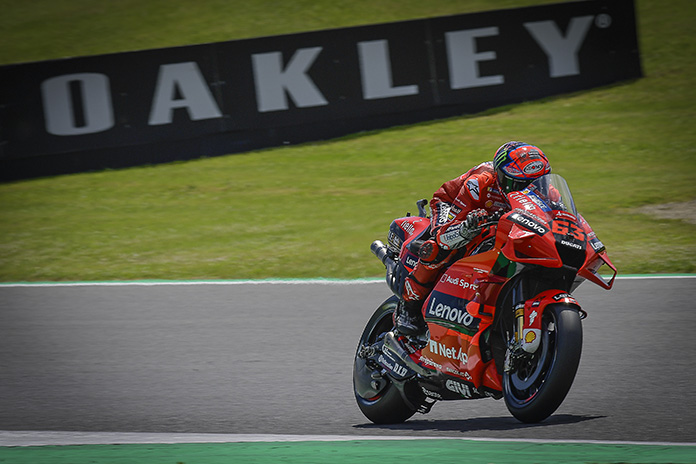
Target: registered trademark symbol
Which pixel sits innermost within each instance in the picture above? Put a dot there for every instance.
(602, 21)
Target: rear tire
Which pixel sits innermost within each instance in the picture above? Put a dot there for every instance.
(540, 383)
(384, 404)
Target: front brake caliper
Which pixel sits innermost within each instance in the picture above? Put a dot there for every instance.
(513, 353)
(367, 351)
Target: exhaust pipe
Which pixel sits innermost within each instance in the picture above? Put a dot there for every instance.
(381, 251)
(396, 350)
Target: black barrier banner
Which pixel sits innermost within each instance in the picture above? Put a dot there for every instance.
(185, 102)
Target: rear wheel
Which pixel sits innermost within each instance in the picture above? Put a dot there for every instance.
(377, 397)
(537, 384)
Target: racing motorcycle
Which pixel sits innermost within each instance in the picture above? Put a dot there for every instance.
(501, 319)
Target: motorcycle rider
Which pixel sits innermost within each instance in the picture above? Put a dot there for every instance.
(458, 209)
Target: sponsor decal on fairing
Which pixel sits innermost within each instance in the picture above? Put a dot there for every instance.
(411, 261)
(597, 245)
(529, 204)
(572, 245)
(392, 365)
(566, 298)
(456, 354)
(459, 282)
(450, 312)
(461, 388)
(431, 394)
(464, 374)
(532, 316)
(408, 227)
(429, 362)
(531, 339)
(528, 223)
(539, 202)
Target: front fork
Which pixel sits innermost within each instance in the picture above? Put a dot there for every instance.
(526, 336)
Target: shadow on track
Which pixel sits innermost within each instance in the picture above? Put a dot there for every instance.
(477, 424)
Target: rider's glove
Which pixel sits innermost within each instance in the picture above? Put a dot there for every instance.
(458, 235)
(471, 227)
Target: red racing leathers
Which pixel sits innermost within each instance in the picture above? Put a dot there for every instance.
(450, 206)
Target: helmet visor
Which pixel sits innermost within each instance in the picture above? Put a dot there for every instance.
(510, 184)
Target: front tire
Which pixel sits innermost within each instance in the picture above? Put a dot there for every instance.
(380, 402)
(539, 383)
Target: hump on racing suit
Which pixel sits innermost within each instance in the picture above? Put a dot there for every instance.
(455, 199)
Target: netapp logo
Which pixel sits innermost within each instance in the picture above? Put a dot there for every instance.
(83, 103)
(457, 354)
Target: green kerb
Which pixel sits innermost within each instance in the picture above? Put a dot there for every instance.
(383, 452)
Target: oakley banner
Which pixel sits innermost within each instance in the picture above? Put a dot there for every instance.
(154, 106)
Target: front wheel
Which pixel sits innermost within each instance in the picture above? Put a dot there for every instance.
(537, 383)
(376, 395)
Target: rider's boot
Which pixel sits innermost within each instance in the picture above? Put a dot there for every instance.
(409, 325)
(409, 319)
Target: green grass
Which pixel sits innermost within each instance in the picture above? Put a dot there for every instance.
(313, 210)
(47, 29)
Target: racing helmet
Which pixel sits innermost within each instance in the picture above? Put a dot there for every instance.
(517, 164)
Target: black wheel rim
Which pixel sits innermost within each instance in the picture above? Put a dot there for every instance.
(364, 368)
(381, 327)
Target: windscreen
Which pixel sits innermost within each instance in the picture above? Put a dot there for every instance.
(551, 193)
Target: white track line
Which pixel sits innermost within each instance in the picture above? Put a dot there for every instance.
(42, 438)
(46, 438)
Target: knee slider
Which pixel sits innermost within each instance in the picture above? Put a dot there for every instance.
(414, 290)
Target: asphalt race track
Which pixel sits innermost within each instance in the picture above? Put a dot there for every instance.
(276, 358)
